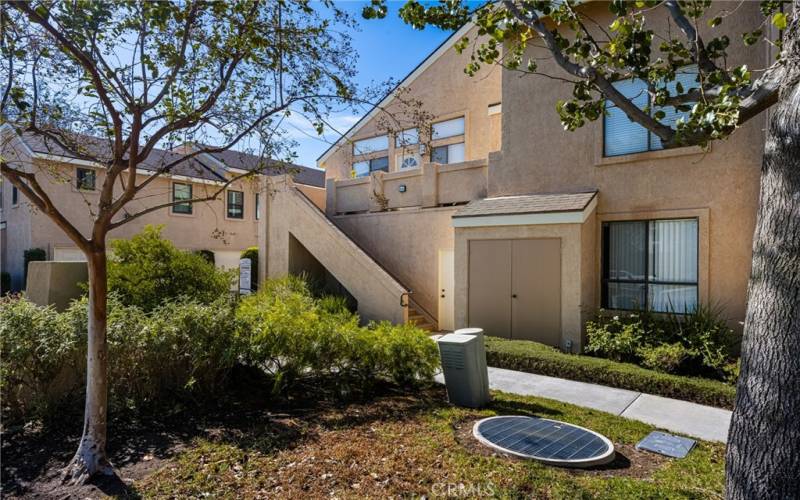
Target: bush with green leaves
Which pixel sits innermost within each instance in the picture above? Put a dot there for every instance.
(148, 270)
(180, 349)
(695, 342)
(295, 336)
(41, 357)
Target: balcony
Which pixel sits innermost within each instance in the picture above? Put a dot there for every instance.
(433, 185)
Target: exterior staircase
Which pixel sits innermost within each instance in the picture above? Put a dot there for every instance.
(415, 317)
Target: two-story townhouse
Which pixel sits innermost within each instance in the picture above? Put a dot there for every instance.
(224, 226)
(504, 221)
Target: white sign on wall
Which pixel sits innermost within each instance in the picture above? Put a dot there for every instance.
(245, 270)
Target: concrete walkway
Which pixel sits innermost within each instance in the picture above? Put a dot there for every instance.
(683, 417)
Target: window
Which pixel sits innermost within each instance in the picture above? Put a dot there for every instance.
(622, 136)
(235, 205)
(407, 137)
(650, 264)
(258, 206)
(364, 168)
(181, 192)
(449, 128)
(85, 179)
(453, 153)
(14, 196)
(406, 161)
(371, 145)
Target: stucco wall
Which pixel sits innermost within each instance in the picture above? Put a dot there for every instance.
(446, 92)
(407, 243)
(539, 156)
(290, 215)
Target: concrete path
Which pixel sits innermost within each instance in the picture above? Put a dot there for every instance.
(691, 419)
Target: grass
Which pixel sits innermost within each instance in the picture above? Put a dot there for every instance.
(537, 358)
(412, 446)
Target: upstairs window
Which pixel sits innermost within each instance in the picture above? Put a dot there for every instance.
(235, 205)
(85, 179)
(407, 137)
(371, 145)
(621, 136)
(650, 264)
(181, 192)
(366, 167)
(14, 196)
(452, 153)
(258, 206)
(448, 128)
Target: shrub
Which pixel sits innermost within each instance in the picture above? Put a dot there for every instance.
(208, 255)
(538, 358)
(5, 282)
(30, 255)
(615, 338)
(180, 349)
(295, 337)
(148, 270)
(41, 357)
(707, 342)
(252, 254)
(667, 358)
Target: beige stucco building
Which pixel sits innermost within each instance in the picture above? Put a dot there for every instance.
(225, 226)
(498, 218)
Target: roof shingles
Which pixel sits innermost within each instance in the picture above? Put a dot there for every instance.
(526, 204)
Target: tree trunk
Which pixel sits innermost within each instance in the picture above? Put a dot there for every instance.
(763, 457)
(90, 459)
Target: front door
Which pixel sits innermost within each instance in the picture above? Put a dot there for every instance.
(446, 285)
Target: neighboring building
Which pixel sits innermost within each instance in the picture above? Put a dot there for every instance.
(225, 226)
(509, 223)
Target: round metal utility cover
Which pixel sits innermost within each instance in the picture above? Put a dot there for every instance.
(548, 441)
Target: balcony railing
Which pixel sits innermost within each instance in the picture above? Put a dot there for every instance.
(432, 185)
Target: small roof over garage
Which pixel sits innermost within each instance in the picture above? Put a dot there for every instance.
(550, 208)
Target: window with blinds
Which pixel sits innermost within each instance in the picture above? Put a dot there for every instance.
(621, 136)
(650, 264)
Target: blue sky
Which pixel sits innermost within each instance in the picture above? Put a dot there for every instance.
(387, 48)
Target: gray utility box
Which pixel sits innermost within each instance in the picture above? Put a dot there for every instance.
(478, 332)
(464, 367)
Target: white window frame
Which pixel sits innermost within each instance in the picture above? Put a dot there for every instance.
(401, 157)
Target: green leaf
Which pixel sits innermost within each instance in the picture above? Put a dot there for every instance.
(715, 22)
(779, 20)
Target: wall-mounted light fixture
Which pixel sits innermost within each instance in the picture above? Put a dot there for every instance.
(402, 188)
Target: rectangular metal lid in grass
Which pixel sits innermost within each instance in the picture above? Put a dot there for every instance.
(666, 444)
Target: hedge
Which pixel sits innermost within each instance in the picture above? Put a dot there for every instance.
(532, 357)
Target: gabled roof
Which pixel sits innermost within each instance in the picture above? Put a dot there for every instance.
(413, 75)
(95, 148)
(245, 161)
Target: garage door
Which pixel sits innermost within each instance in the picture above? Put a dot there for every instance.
(71, 254)
(515, 288)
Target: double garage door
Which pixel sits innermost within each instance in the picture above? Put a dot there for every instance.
(515, 288)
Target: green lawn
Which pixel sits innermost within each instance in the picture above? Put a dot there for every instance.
(413, 446)
(533, 357)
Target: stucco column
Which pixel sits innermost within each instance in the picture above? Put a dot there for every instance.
(376, 191)
(330, 196)
(430, 185)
